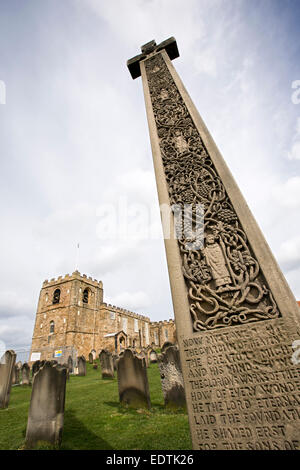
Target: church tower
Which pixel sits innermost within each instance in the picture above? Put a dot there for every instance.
(67, 316)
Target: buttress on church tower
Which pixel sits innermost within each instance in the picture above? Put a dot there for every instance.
(72, 319)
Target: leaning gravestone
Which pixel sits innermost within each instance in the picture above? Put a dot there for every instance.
(133, 381)
(81, 366)
(171, 378)
(91, 358)
(7, 365)
(153, 356)
(25, 374)
(107, 364)
(47, 404)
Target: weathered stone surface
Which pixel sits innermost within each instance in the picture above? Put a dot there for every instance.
(81, 364)
(16, 375)
(36, 366)
(143, 355)
(70, 365)
(107, 364)
(133, 381)
(152, 356)
(171, 377)
(25, 374)
(7, 365)
(47, 404)
(166, 345)
(65, 366)
(237, 321)
(115, 359)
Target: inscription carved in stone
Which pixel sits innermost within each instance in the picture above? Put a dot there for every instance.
(224, 281)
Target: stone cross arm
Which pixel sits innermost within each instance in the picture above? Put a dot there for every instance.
(170, 46)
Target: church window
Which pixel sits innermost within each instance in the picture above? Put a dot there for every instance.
(56, 296)
(52, 326)
(85, 296)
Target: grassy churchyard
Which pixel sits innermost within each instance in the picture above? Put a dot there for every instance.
(94, 418)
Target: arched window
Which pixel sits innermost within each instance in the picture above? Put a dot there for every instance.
(85, 296)
(52, 326)
(56, 296)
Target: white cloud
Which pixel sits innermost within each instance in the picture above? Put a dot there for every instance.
(294, 153)
(288, 193)
(131, 300)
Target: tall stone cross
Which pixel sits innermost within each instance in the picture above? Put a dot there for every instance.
(237, 321)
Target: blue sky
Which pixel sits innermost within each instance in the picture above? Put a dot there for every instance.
(74, 136)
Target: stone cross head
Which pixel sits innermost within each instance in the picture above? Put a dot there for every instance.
(170, 46)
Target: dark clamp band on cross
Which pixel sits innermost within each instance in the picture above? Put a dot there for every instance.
(170, 46)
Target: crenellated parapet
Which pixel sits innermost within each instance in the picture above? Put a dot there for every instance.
(76, 275)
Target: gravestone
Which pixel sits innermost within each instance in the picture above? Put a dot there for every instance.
(115, 359)
(7, 365)
(152, 356)
(133, 381)
(47, 404)
(16, 375)
(237, 321)
(143, 355)
(35, 367)
(81, 366)
(165, 346)
(91, 358)
(70, 365)
(171, 377)
(107, 364)
(25, 374)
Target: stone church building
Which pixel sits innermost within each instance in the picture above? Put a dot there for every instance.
(72, 318)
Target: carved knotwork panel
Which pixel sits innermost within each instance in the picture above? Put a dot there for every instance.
(224, 281)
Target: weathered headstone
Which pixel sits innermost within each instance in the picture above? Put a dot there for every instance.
(152, 356)
(133, 381)
(70, 365)
(237, 321)
(91, 358)
(35, 367)
(81, 366)
(47, 404)
(107, 364)
(166, 345)
(143, 355)
(25, 374)
(16, 375)
(65, 366)
(7, 365)
(115, 359)
(171, 377)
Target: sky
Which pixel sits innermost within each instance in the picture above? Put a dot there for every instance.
(75, 144)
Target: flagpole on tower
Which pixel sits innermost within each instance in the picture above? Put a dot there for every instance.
(77, 257)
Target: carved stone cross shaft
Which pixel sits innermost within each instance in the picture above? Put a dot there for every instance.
(230, 298)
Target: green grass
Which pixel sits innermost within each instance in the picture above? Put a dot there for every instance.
(94, 418)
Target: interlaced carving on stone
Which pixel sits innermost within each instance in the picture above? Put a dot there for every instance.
(224, 281)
